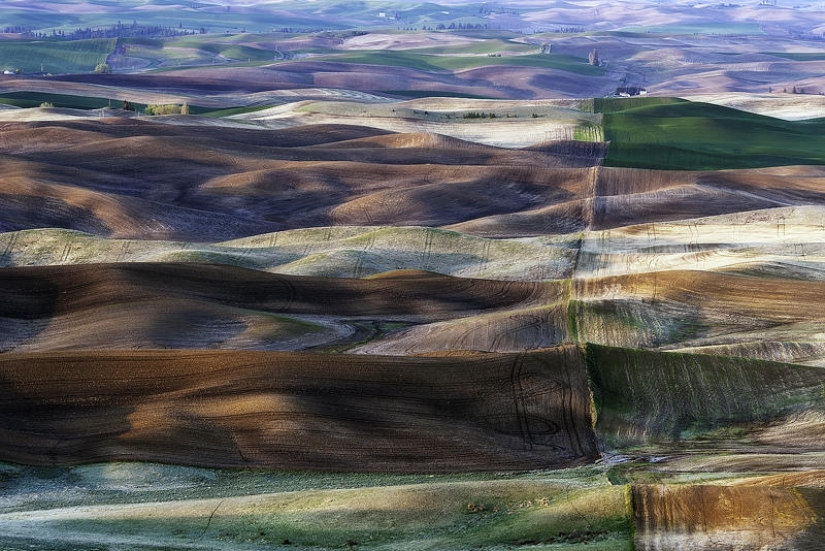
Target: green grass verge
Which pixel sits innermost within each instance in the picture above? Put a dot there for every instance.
(431, 516)
(176, 506)
(658, 133)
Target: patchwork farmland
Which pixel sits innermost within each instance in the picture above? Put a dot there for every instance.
(274, 279)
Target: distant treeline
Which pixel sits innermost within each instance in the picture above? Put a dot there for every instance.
(116, 31)
(461, 26)
(806, 36)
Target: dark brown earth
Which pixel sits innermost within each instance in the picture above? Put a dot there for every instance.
(136, 179)
(298, 411)
(126, 178)
(167, 305)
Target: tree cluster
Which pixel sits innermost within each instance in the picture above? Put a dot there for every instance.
(478, 115)
(460, 26)
(593, 57)
(490, 9)
(570, 30)
(116, 31)
(167, 109)
(129, 31)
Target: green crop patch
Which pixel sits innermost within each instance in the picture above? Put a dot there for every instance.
(36, 99)
(426, 62)
(492, 46)
(648, 397)
(228, 112)
(658, 133)
(703, 28)
(458, 516)
(54, 56)
(799, 56)
(431, 94)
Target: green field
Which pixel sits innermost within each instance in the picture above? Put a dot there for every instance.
(575, 509)
(222, 46)
(54, 56)
(36, 99)
(704, 28)
(807, 56)
(489, 46)
(426, 62)
(416, 94)
(646, 397)
(680, 135)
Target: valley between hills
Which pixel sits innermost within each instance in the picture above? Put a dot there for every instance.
(399, 294)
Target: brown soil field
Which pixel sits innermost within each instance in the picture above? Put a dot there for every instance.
(502, 81)
(123, 178)
(675, 310)
(633, 196)
(726, 517)
(298, 411)
(137, 305)
(651, 252)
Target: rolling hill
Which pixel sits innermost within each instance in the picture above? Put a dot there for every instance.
(578, 333)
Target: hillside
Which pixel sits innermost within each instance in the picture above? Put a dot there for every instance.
(424, 414)
(623, 253)
(165, 305)
(409, 290)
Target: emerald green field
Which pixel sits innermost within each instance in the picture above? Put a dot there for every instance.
(455, 62)
(54, 56)
(681, 135)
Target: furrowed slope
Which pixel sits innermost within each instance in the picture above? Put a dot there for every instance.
(432, 512)
(750, 316)
(341, 251)
(379, 73)
(298, 411)
(693, 402)
(699, 516)
(144, 180)
(618, 197)
(635, 196)
(143, 305)
(502, 123)
(777, 243)
(335, 251)
(527, 329)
